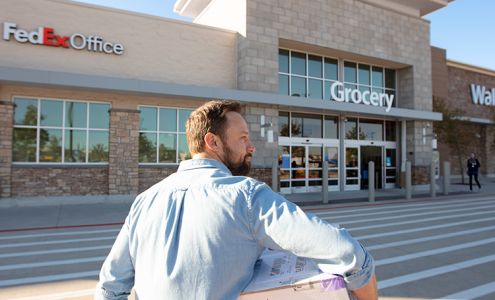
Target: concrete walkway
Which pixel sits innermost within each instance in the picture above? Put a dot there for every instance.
(59, 212)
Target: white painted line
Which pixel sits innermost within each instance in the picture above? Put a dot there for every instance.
(473, 293)
(57, 242)
(54, 251)
(417, 220)
(47, 278)
(418, 229)
(396, 259)
(383, 284)
(357, 212)
(402, 216)
(429, 238)
(40, 235)
(399, 206)
(52, 263)
(60, 296)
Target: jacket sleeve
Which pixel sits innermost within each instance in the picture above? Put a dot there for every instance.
(282, 225)
(117, 274)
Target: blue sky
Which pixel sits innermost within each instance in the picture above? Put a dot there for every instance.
(463, 27)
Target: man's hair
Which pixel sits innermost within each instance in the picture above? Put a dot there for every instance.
(209, 117)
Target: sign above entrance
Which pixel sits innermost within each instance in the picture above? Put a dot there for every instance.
(481, 95)
(341, 94)
(46, 36)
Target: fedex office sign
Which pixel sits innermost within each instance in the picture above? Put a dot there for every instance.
(46, 36)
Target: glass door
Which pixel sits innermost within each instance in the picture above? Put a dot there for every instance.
(331, 155)
(390, 168)
(352, 180)
(374, 154)
(300, 168)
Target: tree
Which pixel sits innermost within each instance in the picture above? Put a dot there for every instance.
(453, 132)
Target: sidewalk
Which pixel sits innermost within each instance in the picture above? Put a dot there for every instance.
(59, 212)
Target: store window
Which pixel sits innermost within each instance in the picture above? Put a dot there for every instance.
(371, 130)
(162, 135)
(311, 76)
(306, 75)
(60, 131)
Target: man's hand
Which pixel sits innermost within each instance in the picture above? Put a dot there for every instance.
(367, 292)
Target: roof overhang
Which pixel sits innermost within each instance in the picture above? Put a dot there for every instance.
(11, 75)
(190, 8)
(416, 8)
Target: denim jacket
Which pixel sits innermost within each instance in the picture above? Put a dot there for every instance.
(198, 233)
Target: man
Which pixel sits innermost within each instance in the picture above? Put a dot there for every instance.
(198, 233)
(473, 165)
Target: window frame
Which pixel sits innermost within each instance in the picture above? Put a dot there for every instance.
(157, 132)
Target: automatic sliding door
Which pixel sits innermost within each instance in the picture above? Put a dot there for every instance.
(314, 168)
(352, 168)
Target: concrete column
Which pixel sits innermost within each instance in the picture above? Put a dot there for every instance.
(403, 151)
(371, 181)
(275, 175)
(433, 185)
(123, 163)
(446, 177)
(6, 135)
(341, 154)
(408, 180)
(324, 178)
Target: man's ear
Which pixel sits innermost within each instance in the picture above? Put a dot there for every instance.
(212, 142)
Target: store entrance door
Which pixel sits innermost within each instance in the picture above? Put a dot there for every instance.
(371, 153)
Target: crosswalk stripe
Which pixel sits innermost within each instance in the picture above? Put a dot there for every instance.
(429, 238)
(436, 251)
(57, 242)
(41, 235)
(402, 216)
(387, 283)
(399, 209)
(52, 263)
(472, 293)
(418, 220)
(418, 229)
(53, 251)
(60, 296)
(47, 278)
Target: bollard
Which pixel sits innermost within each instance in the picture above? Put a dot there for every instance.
(274, 175)
(324, 178)
(446, 177)
(408, 180)
(433, 185)
(371, 181)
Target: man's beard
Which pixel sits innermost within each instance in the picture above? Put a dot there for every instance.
(237, 168)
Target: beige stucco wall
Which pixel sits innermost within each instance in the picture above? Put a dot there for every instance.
(155, 48)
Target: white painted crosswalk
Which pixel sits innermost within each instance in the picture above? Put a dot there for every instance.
(418, 246)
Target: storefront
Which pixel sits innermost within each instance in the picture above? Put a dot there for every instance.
(92, 105)
(470, 89)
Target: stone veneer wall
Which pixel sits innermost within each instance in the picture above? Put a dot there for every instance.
(59, 181)
(6, 131)
(148, 176)
(123, 171)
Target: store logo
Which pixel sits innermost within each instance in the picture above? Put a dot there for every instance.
(46, 36)
(341, 94)
(481, 95)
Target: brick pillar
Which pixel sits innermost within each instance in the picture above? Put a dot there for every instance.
(6, 121)
(123, 170)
